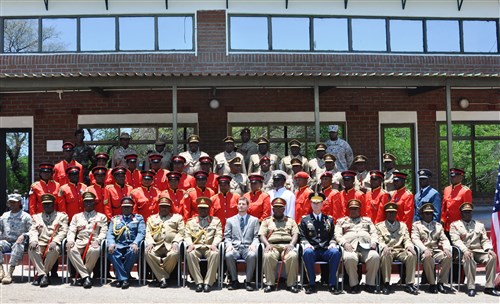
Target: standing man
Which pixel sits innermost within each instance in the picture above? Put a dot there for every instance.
(133, 176)
(225, 203)
(102, 161)
(221, 165)
(349, 193)
(166, 156)
(358, 236)
(68, 161)
(332, 195)
(192, 155)
(46, 235)
(146, 196)
(389, 168)
(403, 198)
(254, 164)
(45, 185)
(259, 202)
(279, 234)
(286, 162)
(340, 148)
(86, 232)
(395, 244)
(69, 199)
(241, 239)
(317, 164)
(186, 181)
(177, 196)
(363, 177)
(248, 147)
(302, 202)
(14, 229)
(279, 179)
(427, 194)
(125, 234)
(318, 238)
(118, 158)
(239, 180)
(376, 197)
(200, 190)
(267, 174)
(453, 197)
(471, 239)
(164, 232)
(84, 154)
(206, 164)
(160, 174)
(429, 237)
(203, 235)
(114, 193)
(98, 187)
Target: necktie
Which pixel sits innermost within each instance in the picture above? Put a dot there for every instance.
(242, 223)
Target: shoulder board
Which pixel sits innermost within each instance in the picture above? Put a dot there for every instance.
(189, 190)
(304, 216)
(384, 191)
(465, 187)
(329, 216)
(408, 192)
(366, 218)
(109, 186)
(134, 190)
(392, 192)
(35, 183)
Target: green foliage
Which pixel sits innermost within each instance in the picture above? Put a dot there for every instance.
(398, 141)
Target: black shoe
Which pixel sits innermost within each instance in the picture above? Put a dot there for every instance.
(334, 290)
(54, 275)
(310, 289)
(491, 292)
(249, 287)
(44, 281)
(36, 282)
(441, 288)
(433, 289)
(163, 283)
(118, 284)
(199, 288)
(206, 288)
(233, 285)
(370, 288)
(268, 288)
(355, 289)
(386, 289)
(471, 292)
(125, 284)
(292, 289)
(411, 289)
(87, 283)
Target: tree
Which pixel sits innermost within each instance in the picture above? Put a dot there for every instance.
(17, 151)
(21, 35)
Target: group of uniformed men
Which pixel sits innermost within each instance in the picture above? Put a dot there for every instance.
(357, 215)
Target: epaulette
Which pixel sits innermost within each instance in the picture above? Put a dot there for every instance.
(465, 187)
(35, 183)
(329, 216)
(110, 186)
(408, 191)
(133, 191)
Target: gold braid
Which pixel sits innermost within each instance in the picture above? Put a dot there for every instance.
(197, 236)
(118, 232)
(155, 229)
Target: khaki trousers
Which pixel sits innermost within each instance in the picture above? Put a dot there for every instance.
(84, 268)
(43, 266)
(440, 257)
(162, 262)
(193, 260)
(270, 263)
(409, 261)
(369, 257)
(471, 265)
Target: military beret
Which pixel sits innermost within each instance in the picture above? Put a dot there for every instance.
(155, 158)
(320, 147)
(148, 174)
(174, 175)
(118, 170)
(278, 202)
(164, 201)
(203, 202)
(376, 173)
(102, 155)
(68, 146)
(466, 207)
(354, 203)
(426, 207)
(48, 198)
(456, 171)
(200, 174)
(329, 158)
(388, 157)
(296, 162)
(88, 196)
(224, 178)
(228, 139)
(302, 174)
(262, 141)
(294, 143)
(317, 197)
(263, 159)
(131, 157)
(348, 174)
(235, 161)
(72, 170)
(178, 159)
(46, 167)
(424, 173)
(391, 207)
(360, 159)
(256, 177)
(127, 201)
(397, 175)
(124, 135)
(193, 139)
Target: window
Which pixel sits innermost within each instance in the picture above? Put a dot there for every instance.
(136, 33)
(280, 134)
(331, 34)
(175, 33)
(479, 36)
(97, 34)
(290, 33)
(249, 33)
(59, 35)
(443, 36)
(20, 35)
(476, 149)
(406, 36)
(106, 139)
(368, 35)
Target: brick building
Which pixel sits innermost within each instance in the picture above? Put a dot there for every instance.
(393, 68)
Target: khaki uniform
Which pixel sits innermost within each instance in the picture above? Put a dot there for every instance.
(389, 181)
(254, 164)
(162, 232)
(361, 234)
(397, 238)
(279, 234)
(41, 232)
(81, 227)
(431, 236)
(240, 183)
(267, 184)
(316, 168)
(203, 233)
(362, 181)
(472, 236)
(192, 161)
(119, 154)
(286, 164)
(221, 165)
(248, 149)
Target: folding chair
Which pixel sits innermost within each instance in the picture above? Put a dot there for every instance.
(297, 248)
(239, 261)
(436, 269)
(138, 263)
(302, 268)
(179, 262)
(360, 266)
(6, 260)
(220, 247)
(101, 261)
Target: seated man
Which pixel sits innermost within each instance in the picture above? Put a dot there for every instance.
(317, 236)
(46, 235)
(164, 232)
(241, 237)
(429, 237)
(359, 238)
(471, 239)
(125, 234)
(280, 234)
(395, 244)
(14, 227)
(202, 236)
(86, 232)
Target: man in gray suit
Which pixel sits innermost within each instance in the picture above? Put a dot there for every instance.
(241, 240)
